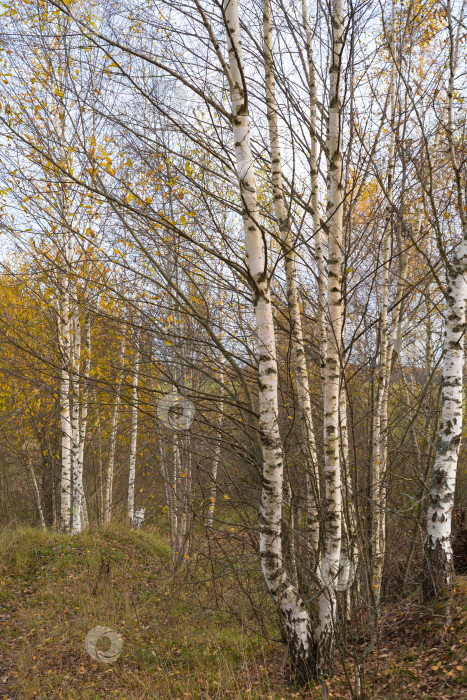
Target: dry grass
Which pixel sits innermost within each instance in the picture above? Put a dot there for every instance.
(54, 589)
(178, 643)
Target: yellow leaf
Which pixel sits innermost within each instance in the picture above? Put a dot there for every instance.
(227, 498)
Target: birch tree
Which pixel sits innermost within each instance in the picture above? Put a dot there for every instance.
(113, 437)
(81, 399)
(333, 374)
(379, 452)
(293, 301)
(217, 452)
(296, 618)
(133, 436)
(438, 564)
(314, 182)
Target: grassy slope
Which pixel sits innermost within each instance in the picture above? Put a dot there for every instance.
(54, 589)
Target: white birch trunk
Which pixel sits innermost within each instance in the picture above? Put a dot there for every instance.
(100, 489)
(332, 467)
(55, 520)
(64, 318)
(291, 534)
(217, 453)
(84, 416)
(77, 524)
(101, 463)
(133, 438)
(349, 516)
(169, 494)
(314, 173)
(37, 495)
(438, 567)
(186, 503)
(176, 498)
(438, 564)
(113, 440)
(64, 332)
(83, 420)
(84, 510)
(295, 616)
(293, 301)
(380, 417)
